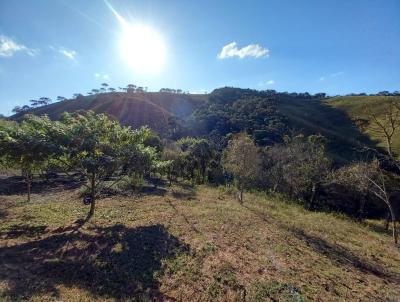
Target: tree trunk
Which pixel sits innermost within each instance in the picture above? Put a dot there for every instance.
(92, 195)
(314, 193)
(387, 221)
(360, 214)
(389, 146)
(28, 182)
(241, 193)
(393, 218)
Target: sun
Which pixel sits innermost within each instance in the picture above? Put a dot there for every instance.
(142, 48)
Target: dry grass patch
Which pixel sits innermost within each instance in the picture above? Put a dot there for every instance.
(190, 245)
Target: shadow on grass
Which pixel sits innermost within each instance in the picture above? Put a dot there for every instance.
(112, 262)
(345, 140)
(186, 195)
(23, 230)
(17, 185)
(3, 213)
(378, 227)
(150, 190)
(344, 257)
(191, 225)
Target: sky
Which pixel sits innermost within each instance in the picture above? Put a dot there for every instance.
(61, 47)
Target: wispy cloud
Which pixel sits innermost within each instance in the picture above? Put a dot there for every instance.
(265, 83)
(68, 53)
(102, 76)
(8, 47)
(252, 50)
(331, 75)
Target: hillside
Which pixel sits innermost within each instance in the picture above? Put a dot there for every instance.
(151, 108)
(176, 244)
(331, 118)
(353, 107)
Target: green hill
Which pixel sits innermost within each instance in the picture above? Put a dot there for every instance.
(331, 118)
(353, 107)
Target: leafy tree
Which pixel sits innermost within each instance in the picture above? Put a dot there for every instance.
(98, 147)
(197, 154)
(242, 159)
(17, 109)
(27, 146)
(61, 98)
(34, 103)
(44, 101)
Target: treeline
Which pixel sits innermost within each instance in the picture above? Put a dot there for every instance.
(105, 88)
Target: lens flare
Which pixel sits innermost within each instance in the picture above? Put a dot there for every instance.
(141, 47)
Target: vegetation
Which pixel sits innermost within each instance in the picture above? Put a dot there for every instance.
(242, 159)
(180, 244)
(262, 142)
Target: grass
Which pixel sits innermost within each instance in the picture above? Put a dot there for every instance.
(353, 107)
(190, 245)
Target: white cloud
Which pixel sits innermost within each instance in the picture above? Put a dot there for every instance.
(271, 82)
(69, 53)
(8, 47)
(252, 50)
(102, 76)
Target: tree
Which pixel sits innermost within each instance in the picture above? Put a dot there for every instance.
(352, 179)
(385, 125)
(27, 146)
(44, 101)
(34, 103)
(198, 154)
(130, 88)
(98, 147)
(378, 180)
(242, 159)
(17, 109)
(299, 166)
(61, 98)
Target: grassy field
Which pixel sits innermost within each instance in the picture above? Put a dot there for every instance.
(354, 108)
(181, 244)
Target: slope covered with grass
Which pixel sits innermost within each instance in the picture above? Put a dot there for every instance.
(354, 106)
(318, 117)
(181, 244)
(151, 108)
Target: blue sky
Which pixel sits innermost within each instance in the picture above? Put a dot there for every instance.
(59, 47)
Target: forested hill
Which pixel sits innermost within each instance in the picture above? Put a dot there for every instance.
(267, 115)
